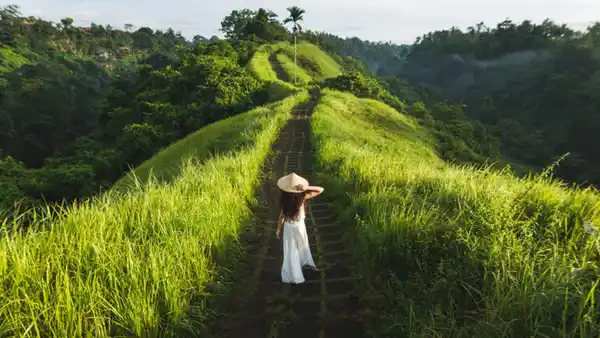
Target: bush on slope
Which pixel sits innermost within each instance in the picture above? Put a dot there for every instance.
(137, 262)
(455, 251)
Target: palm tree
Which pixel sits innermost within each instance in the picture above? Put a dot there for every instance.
(296, 14)
(67, 22)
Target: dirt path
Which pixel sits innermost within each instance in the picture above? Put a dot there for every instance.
(276, 65)
(322, 307)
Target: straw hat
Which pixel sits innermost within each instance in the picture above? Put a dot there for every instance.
(290, 182)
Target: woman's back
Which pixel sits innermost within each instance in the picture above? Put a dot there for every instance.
(300, 216)
(296, 249)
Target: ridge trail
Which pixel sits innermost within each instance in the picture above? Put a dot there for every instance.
(325, 306)
(278, 69)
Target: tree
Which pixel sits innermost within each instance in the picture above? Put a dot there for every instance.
(10, 12)
(128, 27)
(263, 27)
(9, 27)
(233, 24)
(67, 22)
(199, 39)
(296, 14)
(260, 26)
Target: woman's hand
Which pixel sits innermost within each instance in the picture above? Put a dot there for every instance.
(314, 191)
(278, 233)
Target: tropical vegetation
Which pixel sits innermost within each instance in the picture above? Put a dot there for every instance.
(466, 165)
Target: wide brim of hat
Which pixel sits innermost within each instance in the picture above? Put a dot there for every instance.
(285, 184)
(291, 190)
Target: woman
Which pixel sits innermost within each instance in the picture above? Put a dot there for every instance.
(296, 250)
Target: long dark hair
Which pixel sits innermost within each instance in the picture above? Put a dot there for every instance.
(290, 204)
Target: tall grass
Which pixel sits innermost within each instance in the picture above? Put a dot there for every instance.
(324, 65)
(327, 66)
(288, 66)
(456, 251)
(260, 66)
(137, 261)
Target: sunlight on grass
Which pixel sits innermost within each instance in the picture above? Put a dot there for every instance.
(9, 60)
(288, 66)
(135, 262)
(261, 68)
(314, 62)
(455, 251)
(232, 133)
(327, 65)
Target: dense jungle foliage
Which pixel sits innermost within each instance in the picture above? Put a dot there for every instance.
(532, 86)
(80, 106)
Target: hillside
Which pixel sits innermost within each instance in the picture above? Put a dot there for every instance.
(58, 82)
(137, 261)
(533, 85)
(380, 58)
(455, 251)
(272, 62)
(421, 230)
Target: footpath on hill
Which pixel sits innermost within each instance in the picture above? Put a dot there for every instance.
(260, 304)
(278, 68)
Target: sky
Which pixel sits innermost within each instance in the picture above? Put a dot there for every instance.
(398, 21)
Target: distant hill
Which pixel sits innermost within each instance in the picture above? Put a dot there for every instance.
(530, 84)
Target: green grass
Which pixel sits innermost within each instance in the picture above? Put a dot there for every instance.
(288, 66)
(260, 67)
(10, 60)
(136, 262)
(327, 66)
(230, 134)
(313, 63)
(454, 251)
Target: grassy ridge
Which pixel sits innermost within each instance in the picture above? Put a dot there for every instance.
(313, 63)
(456, 251)
(261, 68)
(234, 133)
(325, 65)
(288, 66)
(136, 263)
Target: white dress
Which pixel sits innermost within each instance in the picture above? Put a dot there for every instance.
(296, 250)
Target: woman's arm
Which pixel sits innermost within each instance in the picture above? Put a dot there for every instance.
(279, 224)
(312, 191)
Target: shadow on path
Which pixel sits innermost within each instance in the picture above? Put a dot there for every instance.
(277, 68)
